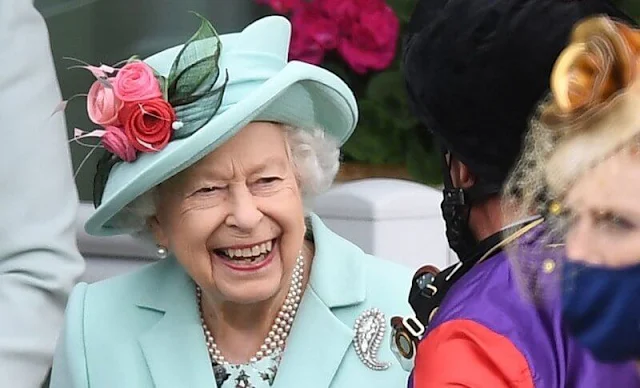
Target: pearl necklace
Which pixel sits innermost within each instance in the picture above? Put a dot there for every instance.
(274, 343)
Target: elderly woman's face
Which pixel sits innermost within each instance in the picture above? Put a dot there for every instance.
(235, 220)
(605, 209)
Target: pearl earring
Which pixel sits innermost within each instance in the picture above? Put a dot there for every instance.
(162, 252)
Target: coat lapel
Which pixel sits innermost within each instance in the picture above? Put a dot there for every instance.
(319, 340)
(317, 343)
(174, 348)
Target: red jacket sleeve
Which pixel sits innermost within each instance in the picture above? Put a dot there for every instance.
(464, 353)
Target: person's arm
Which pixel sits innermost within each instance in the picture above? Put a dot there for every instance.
(39, 259)
(465, 354)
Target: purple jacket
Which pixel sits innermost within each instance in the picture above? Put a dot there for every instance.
(490, 296)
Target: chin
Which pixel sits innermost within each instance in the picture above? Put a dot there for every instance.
(251, 292)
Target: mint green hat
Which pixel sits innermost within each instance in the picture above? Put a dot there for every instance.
(258, 84)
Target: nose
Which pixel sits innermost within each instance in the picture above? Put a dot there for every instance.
(244, 214)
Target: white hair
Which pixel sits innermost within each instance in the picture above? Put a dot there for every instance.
(315, 156)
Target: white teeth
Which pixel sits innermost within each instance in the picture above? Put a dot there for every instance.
(249, 253)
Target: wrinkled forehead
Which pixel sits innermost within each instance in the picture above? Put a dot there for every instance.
(258, 146)
(613, 183)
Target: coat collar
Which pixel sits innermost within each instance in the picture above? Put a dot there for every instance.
(174, 347)
(337, 274)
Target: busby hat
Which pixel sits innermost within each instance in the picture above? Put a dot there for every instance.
(475, 70)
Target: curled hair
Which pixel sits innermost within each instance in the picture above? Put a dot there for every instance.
(591, 73)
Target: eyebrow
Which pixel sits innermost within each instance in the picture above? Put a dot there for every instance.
(629, 213)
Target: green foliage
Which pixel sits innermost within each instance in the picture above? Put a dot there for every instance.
(403, 9)
(386, 130)
(632, 7)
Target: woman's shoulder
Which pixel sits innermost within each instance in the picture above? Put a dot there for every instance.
(387, 282)
(118, 292)
(383, 277)
(329, 241)
(387, 272)
(118, 309)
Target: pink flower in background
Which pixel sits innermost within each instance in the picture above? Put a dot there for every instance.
(369, 31)
(136, 82)
(102, 104)
(313, 34)
(305, 49)
(365, 32)
(115, 141)
(343, 12)
(281, 6)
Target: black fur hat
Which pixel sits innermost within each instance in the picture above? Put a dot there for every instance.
(475, 70)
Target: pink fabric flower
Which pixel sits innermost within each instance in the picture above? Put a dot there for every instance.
(102, 104)
(369, 31)
(136, 82)
(115, 141)
(313, 33)
(281, 6)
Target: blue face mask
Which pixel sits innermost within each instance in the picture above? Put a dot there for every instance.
(601, 307)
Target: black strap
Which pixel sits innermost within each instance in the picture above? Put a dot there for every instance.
(480, 191)
(425, 297)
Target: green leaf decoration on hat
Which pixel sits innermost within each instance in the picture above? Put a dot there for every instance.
(192, 78)
(103, 168)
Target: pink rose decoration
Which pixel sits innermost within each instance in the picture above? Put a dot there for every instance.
(136, 82)
(313, 34)
(115, 141)
(281, 6)
(369, 32)
(102, 104)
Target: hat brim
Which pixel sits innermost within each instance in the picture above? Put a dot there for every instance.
(300, 95)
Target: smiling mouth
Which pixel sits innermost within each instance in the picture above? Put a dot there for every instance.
(250, 255)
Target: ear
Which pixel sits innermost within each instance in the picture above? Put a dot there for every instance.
(158, 231)
(461, 176)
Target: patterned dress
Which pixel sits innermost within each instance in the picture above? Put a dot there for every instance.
(260, 374)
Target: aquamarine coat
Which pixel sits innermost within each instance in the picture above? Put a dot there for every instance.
(143, 329)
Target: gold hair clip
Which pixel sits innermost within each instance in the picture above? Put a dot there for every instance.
(555, 208)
